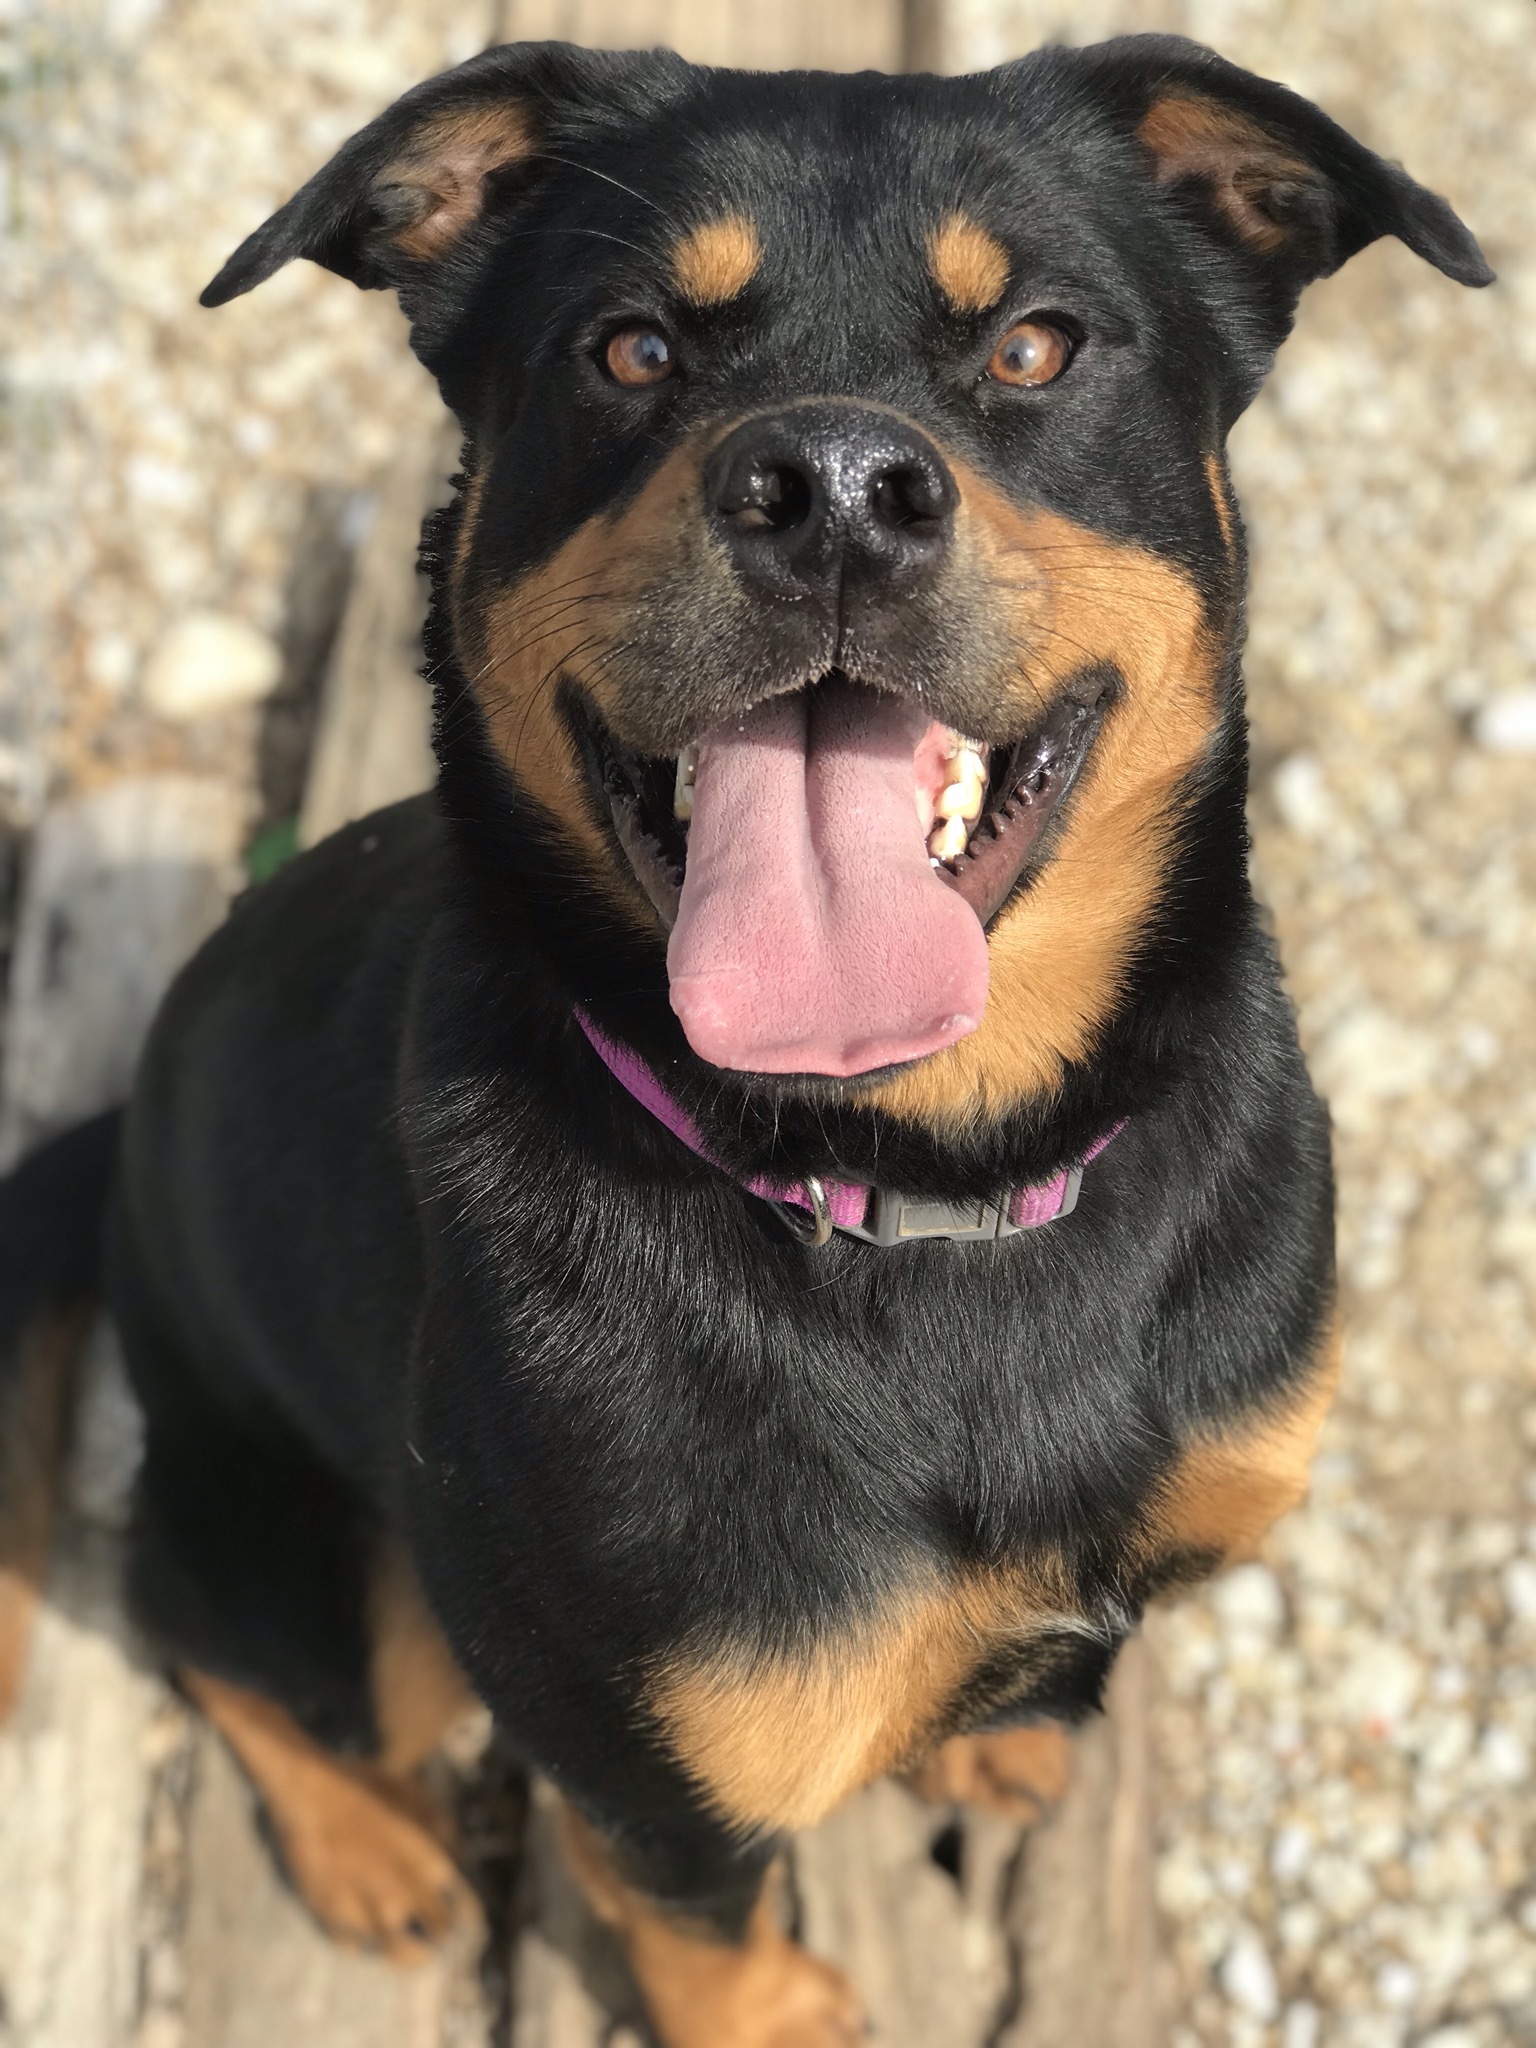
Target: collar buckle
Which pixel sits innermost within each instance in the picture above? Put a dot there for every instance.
(893, 1218)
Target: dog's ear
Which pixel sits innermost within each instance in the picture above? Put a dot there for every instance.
(1265, 169)
(412, 187)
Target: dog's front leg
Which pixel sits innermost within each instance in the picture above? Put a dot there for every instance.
(716, 1970)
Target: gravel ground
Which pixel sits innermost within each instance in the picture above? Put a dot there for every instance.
(1346, 1728)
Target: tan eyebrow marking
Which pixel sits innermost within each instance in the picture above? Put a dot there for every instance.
(714, 263)
(969, 265)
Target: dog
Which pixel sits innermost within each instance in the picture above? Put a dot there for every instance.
(753, 1231)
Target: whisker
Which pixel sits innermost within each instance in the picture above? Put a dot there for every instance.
(575, 164)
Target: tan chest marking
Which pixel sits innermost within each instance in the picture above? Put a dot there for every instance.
(777, 1741)
(1227, 1492)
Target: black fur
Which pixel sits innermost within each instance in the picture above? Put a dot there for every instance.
(392, 1250)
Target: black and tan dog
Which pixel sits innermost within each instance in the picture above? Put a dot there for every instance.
(600, 1240)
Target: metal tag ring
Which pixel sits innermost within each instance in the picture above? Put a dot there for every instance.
(815, 1229)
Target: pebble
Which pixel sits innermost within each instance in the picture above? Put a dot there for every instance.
(209, 662)
(1508, 724)
(1302, 2027)
(1300, 790)
(1248, 1977)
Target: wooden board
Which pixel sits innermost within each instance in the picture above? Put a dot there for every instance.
(373, 738)
(119, 889)
(1082, 1918)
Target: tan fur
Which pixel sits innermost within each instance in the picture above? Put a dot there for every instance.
(1017, 1773)
(363, 1848)
(1228, 1491)
(1221, 498)
(562, 616)
(702, 1992)
(419, 1692)
(715, 263)
(469, 521)
(969, 265)
(1193, 137)
(34, 1425)
(1059, 955)
(777, 1741)
(446, 165)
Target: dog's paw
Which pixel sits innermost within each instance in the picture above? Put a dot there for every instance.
(1016, 1773)
(814, 2006)
(367, 1859)
(770, 1995)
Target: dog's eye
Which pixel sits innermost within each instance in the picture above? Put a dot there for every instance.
(639, 355)
(1032, 352)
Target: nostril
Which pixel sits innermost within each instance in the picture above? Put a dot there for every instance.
(767, 497)
(908, 497)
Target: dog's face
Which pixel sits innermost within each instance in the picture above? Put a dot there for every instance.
(846, 577)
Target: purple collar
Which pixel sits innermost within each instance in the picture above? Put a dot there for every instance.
(815, 1207)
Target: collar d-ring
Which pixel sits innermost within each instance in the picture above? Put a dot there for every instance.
(817, 1227)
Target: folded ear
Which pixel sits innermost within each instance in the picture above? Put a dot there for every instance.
(412, 187)
(1267, 170)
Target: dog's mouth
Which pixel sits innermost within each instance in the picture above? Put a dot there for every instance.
(826, 864)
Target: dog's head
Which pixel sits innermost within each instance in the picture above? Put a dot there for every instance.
(843, 597)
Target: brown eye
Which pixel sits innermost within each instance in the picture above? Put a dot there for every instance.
(639, 355)
(1033, 352)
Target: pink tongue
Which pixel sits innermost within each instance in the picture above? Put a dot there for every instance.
(813, 935)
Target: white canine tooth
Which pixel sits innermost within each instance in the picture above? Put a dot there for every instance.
(682, 794)
(947, 840)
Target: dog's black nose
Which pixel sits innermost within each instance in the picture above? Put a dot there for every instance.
(823, 493)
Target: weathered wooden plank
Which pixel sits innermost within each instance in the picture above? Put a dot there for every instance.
(920, 1934)
(120, 888)
(1083, 1916)
(73, 1798)
(570, 1985)
(373, 738)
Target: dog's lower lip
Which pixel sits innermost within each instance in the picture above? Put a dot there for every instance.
(650, 799)
(1028, 785)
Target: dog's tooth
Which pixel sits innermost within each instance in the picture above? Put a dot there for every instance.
(682, 794)
(962, 799)
(947, 839)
